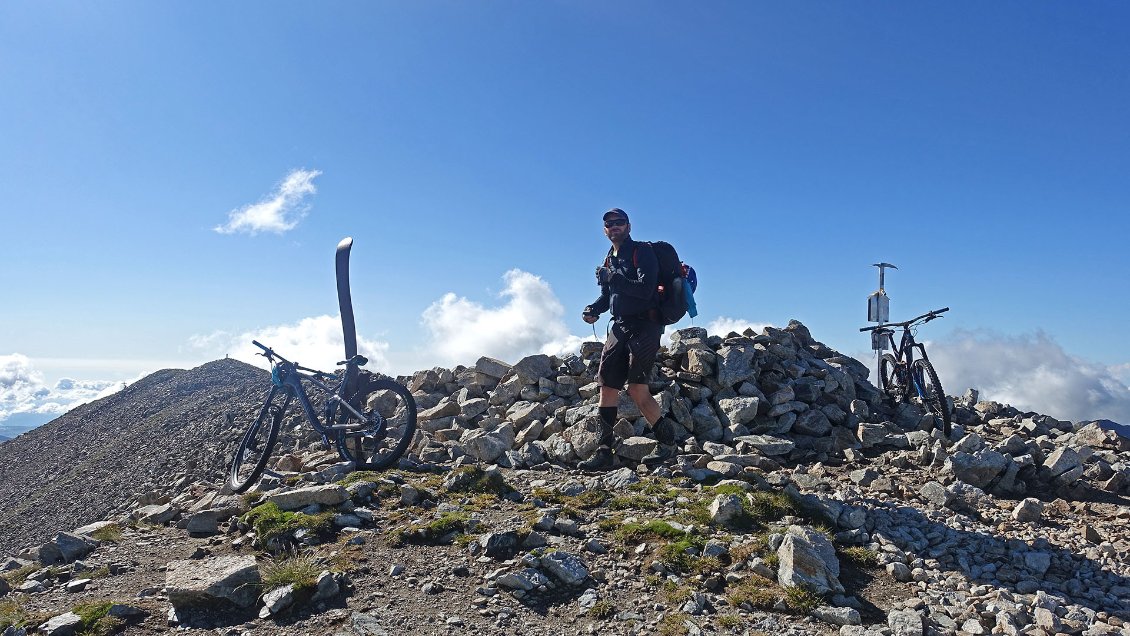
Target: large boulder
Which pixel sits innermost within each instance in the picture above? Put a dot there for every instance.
(192, 583)
(808, 559)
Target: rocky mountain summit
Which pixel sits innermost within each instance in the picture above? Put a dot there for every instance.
(801, 503)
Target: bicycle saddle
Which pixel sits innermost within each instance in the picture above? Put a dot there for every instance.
(358, 360)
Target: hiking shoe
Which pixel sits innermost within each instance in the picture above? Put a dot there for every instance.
(662, 453)
(600, 460)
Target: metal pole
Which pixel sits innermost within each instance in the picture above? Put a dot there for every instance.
(882, 293)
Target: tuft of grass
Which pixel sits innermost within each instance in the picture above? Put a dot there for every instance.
(802, 600)
(627, 502)
(434, 531)
(610, 524)
(97, 573)
(96, 619)
(359, 476)
(673, 593)
(729, 489)
(756, 547)
(634, 533)
(590, 499)
(672, 625)
(301, 571)
(13, 613)
(758, 592)
(730, 621)
(708, 565)
(271, 523)
(653, 486)
(108, 534)
(697, 512)
(602, 609)
(770, 506)
(682, 555)
(19, 575)
(861, 556)
(772, 561)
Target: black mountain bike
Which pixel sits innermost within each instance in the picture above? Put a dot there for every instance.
(371, 418)
(903, 378)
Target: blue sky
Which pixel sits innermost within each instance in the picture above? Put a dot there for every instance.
(470, 148)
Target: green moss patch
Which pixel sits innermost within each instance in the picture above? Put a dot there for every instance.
(300, 571)
(634, 533)
(756, 591)
(111, 533)
(450, 524)
(861, 556)
(96, 619)
(272, 523)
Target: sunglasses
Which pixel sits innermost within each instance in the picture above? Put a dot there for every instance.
(615, 223)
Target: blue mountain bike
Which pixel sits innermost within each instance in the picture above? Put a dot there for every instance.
(902, 378)
(371, 418)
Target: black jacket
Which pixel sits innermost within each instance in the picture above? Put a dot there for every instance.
(631, 292)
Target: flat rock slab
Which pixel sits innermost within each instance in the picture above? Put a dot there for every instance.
(327, 495)
(231, 578)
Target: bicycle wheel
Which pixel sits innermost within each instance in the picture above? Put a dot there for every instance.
(390, 424)
(891, 380)
(258, 442)
(930, 390)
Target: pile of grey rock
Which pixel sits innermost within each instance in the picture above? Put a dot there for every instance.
(749, 402)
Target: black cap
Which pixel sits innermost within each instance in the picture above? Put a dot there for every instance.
(614, 212)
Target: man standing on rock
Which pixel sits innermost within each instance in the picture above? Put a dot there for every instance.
(628, 282)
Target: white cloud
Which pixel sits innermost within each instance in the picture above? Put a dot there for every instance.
(24, 390)
(1033, 373)
(722, 325)
(315, 342)
(531, 320)
(277, 212)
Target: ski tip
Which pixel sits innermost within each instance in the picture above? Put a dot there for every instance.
(345, 243)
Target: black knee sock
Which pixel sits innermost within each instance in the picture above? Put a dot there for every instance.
(607, 422)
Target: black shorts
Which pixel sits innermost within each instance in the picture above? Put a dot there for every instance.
(629, 353)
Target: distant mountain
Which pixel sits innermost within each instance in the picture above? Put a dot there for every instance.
(1108, 425)
(168, 427)
(21, 423)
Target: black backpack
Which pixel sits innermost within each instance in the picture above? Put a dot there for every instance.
(672, 288)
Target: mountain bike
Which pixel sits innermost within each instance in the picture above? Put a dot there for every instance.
(902, 378)
(371, 424)
(371, 418)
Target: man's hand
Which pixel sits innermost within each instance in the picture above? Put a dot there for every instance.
(590, 318)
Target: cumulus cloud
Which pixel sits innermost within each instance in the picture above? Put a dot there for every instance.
(24, 390)
(529, 320)
(315, 342)
(722, 325)
(279, 211)
(1033, 373)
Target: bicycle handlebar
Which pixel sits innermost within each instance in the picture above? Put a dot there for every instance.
(271, 355)
(930, 315)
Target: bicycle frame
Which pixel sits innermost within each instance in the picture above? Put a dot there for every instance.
(288, 376)
(904, 350)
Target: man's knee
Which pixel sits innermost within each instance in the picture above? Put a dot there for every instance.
(639, 393)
